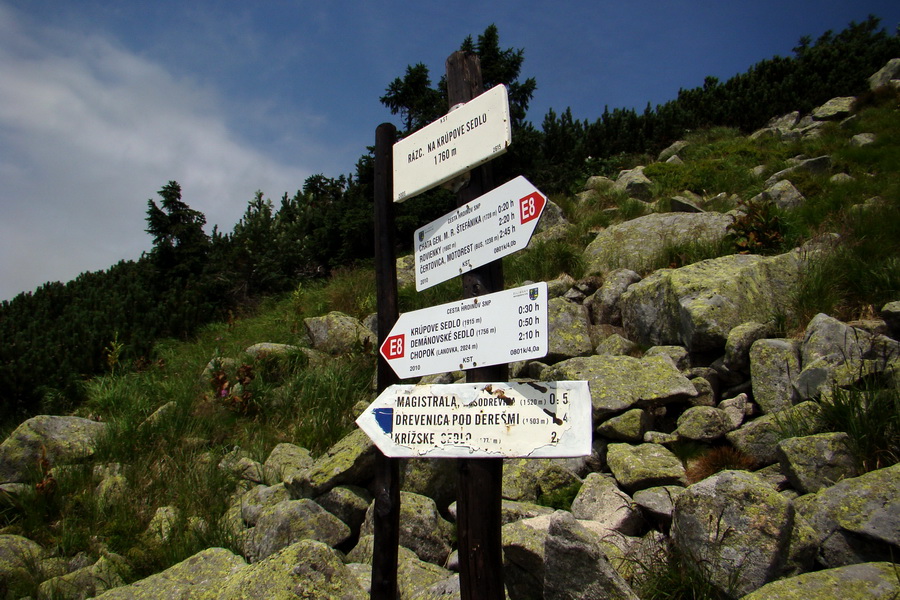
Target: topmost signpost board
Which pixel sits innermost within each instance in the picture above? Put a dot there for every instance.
(469, 136)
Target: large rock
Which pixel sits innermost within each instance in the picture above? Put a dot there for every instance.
(61, 440)
(885, 74)
(290, 521)
(349, 461)
(201, 576)
(814, 462)
(741, 532)
(635, 244)
(337, 333)
(867, 581)
(575, 565)
(604, 303)
(644, 466)
(87, 582)
(569, 330)
(698, 305)
(784, 195)
(307, 569)
(18, 555)
(635, 184)
(422, 529)
(856, 520)
(600, 500)
(525, 480)
(774, 363)
(759, 438)
(620, 383)
(287, 461)
(415, 577)
(817, 166)
(834, 109)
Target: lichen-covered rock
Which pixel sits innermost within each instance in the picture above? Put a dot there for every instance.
(634, 183)
(659, 502)
(698, 305)
(523, 556)
(740, 340)
(834, 109)
(600, 500)
(415, 578)
(432, 477)
(350, 460)
(200, 577)
(890, 312)
(783, 194)
(17, 554)
(634, 244)
(87, 582)
(307, 569)
(569, 330)
(525, 479)
(575, 565)
(338, 333)
(671, 150)
(741, 532)
(348, 503)
(511, 510)
(258, 498)
(630, 426)
(287, 461)
(703, 424)
(774, 363)
(59, 440)
(814, 462)
(644, 466)
(759, 438)
(619, 383)
(857, 519)
(280, 525)
(616, 345)
(422, 529)
(604, 303)
(270, 349)
(866, 581)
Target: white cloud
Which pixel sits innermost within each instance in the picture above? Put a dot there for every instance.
(88, 132)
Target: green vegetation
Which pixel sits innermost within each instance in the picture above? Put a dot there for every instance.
(156, 347)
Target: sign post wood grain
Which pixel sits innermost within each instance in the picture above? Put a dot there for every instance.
(480, 480)
(387, 470)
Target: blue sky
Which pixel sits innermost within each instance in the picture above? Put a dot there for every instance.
(103, 102)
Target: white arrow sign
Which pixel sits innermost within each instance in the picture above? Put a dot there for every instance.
(478, 332)
(473, 134)
(486, 229)
(481, 420)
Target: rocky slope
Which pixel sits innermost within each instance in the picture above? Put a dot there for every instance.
(684, 357)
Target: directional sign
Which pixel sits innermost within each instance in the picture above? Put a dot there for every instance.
(488, 228)
(478, 332)
(459, 141)
(480, 420)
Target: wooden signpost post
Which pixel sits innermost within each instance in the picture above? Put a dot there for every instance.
(485, 419)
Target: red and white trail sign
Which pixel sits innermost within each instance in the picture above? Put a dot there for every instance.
(492, 329)
(488, 228)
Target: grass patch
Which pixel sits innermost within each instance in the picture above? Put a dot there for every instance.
(665, 573)
(871, 418)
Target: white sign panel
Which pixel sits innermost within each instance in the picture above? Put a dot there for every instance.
(461, 140)
(488, 228)
(482, 420)
(477, 332)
